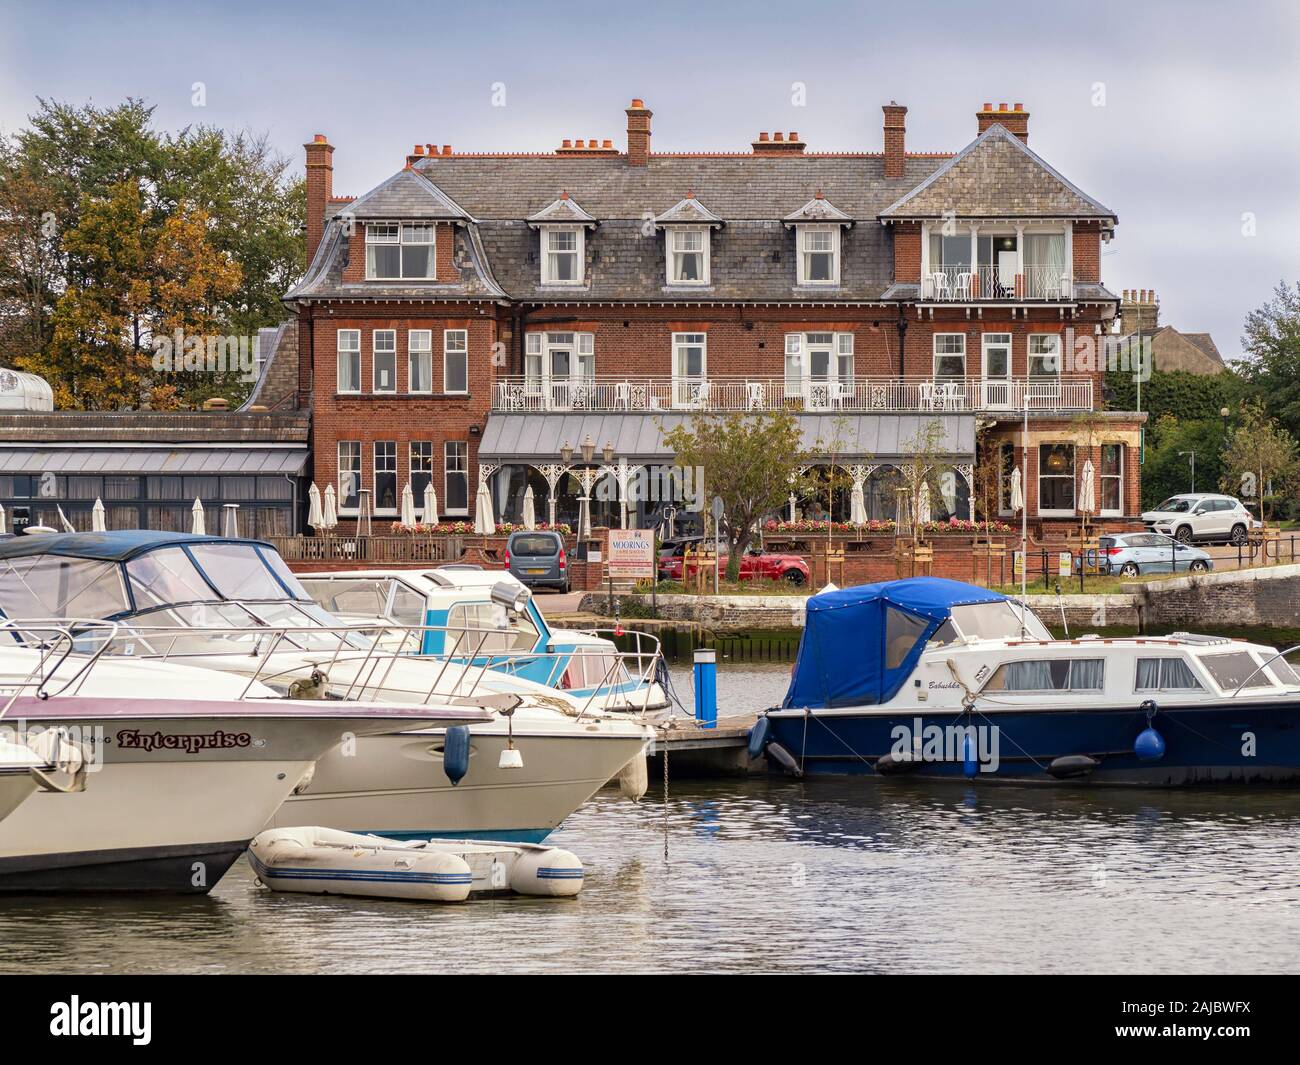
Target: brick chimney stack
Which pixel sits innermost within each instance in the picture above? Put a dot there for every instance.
(320, 188)
(1139, 310)
(895, 134)
(638, 133)
(1014, 119)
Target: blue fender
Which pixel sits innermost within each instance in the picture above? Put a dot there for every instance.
(455, 753)
(759, 736)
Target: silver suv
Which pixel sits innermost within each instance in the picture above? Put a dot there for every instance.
(1201, 516)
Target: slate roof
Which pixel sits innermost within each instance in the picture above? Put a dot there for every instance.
(997, 176)
(406, 196)
(497, 200)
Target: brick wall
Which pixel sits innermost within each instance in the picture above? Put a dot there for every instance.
(1087, 251)
(907, 252)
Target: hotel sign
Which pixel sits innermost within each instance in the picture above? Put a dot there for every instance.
(631, 554)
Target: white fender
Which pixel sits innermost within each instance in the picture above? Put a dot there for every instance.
(547, 871)
(634, 778)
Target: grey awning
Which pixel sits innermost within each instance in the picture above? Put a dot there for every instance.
(537, 438)
(216, 459)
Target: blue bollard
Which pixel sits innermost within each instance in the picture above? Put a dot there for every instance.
(706, 688)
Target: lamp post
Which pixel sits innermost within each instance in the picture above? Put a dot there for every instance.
(1192, 455)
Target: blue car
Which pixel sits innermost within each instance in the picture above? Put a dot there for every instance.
(1133, 554)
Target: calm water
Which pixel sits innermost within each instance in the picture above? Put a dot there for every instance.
(772, 874)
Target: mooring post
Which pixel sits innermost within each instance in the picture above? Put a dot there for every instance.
(706, 688)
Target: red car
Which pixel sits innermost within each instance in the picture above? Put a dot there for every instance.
(755, 564)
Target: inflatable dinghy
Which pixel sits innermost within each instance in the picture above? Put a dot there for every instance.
(324, 861)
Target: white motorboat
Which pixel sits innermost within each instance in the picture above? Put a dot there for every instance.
(184, 767)
(17, 779)
(233, 606)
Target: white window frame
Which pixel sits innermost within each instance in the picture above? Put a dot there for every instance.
(389, 353)
(803, 232)
(1004, 476)
(1074, 479)
(413, 230)
(839, 355)
(375, 471)
(578, 251)
(419, 345)
(412, 470)
(671, 251)
(538, 379)
(685, 391)
(1031, 356)
(459, 337)
(354, 359)
(1103, 477)
(936, 355)
(352, 468)
(447, 473)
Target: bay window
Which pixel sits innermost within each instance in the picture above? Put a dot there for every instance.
(1056, 479)
(455, 361)
(562, 249)
(397, 251)
(348, 343)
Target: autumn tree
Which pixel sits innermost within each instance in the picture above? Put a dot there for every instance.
(748, 460)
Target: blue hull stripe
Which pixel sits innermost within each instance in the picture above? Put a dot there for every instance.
(369, 876)
(559, 874)
(500, 835)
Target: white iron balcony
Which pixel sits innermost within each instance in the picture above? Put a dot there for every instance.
(961, 284)
(854, 394)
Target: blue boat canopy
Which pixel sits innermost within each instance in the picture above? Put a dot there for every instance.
(861, 644)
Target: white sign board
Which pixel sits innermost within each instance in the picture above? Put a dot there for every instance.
(1064, 564)
(631, 554)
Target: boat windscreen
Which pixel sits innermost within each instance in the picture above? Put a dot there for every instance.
(53, 586)
(166, 576)
(238, 571)
(991, 621)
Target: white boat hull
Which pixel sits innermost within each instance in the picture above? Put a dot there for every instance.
(15, 787)
(395, 785)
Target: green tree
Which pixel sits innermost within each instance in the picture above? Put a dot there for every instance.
(1271, 347)
(1260, 458)
(1168, 469)
(749, 460)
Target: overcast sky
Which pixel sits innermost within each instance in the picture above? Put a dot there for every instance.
(1181, 117)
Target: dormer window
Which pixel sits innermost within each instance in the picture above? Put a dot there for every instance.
(399, 251)
(819, 255)
(562, 251)
(688, 255)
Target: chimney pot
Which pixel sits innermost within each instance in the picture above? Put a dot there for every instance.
(607, 143)
(637, 103)
(419, 149)
(762, 136)
(778, 136)
(320, 138)
(567, 142)
(1002, 107)
(988, 106)
(793, 135)
(446, 149)
(1018, 107)
(580, 143)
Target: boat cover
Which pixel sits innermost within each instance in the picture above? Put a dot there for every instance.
(860, 644)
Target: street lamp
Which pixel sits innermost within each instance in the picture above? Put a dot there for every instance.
(608, 451)
(1193, 460)
(566, 452)
(588, 448)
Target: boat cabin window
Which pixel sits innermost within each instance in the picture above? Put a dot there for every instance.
(166, 576)
(1165, 674)
(284, 574)
(499, 629)
(1234, 670)
(50, 586)
(993, 621)
(1061, 674)
(238, 571)
(349, 596)
(1282, 669)
(902, 630)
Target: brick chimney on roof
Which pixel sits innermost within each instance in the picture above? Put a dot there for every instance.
(1139, 310)
(895, 134)
(778, 144)
(638, 133)
(1014, 119)
(320, 188)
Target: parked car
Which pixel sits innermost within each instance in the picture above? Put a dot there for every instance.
(1201, 516)
(754, 565)
(1133, 554)
(537, 559)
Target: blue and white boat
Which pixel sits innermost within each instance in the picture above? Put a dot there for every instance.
(490, 619)
(932, 677)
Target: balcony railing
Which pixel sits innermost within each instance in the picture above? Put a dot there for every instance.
(961, 284)
(861, 394)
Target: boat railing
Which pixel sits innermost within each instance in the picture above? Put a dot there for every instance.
(468, 657)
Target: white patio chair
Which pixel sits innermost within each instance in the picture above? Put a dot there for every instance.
(701, 395)
(926, 389)
(962, 290)
(623, 395)
(755, 395)
(939, 282)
